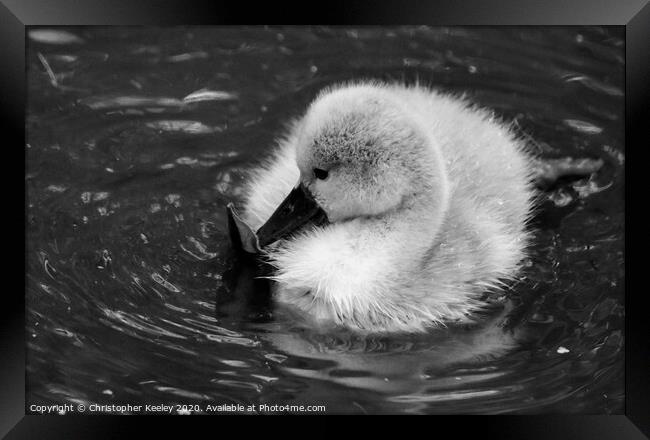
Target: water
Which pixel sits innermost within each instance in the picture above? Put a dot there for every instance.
(134, 297)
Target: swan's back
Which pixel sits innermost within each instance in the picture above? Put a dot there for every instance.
(484, 236)
(486, 164)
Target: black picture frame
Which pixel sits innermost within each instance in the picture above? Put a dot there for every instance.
(634, 15)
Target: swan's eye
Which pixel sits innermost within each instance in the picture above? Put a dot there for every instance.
(320, 174)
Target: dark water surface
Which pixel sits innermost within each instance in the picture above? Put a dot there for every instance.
(134, 296)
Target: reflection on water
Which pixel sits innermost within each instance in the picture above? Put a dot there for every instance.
(137, 140)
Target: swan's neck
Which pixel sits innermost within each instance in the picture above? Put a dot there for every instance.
(411, 230)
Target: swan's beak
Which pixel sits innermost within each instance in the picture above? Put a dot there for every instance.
(295, 211)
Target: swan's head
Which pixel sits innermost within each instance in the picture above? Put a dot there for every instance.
(360, 154)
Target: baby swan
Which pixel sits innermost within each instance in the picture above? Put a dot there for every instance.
(426, 198)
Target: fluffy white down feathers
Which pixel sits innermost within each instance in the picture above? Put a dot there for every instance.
(428, 199)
